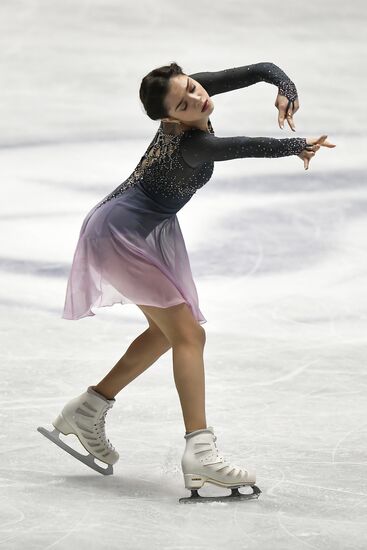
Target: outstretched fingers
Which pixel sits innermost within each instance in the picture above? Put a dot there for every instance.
(289, 115)
(307, 157)
(327, 144)
(312, 146)
(320, 142)
(286, 110)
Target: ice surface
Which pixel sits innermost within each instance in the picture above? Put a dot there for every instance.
(279, 259)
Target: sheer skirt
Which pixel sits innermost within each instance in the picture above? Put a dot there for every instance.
(130, 251)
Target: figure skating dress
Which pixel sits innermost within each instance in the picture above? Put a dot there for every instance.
(130, 247)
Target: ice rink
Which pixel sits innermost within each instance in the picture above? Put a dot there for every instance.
(278, 255)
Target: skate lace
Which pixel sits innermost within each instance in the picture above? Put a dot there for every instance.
(100, 431)
(220, 459)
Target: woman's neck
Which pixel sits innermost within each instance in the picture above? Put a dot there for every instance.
(204, 126)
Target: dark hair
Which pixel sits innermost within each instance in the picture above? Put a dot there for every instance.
(154, 87)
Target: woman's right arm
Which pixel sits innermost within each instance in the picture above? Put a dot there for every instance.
(198, 147)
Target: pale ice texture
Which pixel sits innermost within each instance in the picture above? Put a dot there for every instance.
(278, 255)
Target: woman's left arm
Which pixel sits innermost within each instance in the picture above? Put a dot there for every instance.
(218, 82)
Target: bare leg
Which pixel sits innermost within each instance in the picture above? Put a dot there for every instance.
(188, 369)
(187, 339)
(140, 355)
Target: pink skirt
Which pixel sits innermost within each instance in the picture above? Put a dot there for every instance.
(130, 252)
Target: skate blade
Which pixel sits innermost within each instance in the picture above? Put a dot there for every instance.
(235, 495)
(54, 436)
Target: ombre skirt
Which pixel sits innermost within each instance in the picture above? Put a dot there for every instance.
(130, 251)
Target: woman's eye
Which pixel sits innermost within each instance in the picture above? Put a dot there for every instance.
(190, 91)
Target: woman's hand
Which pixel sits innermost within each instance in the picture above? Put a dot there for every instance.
(313, 145)
(286, 109)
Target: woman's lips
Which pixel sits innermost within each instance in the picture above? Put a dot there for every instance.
(205, 106)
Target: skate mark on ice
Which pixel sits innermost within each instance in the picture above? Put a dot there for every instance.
(240, 524)
(284, 528)
(342, 491)
(288, 403)
(14, 521)
(258, 260)
(288, 376)
(279, 482)
(288, 460)
(343, 438)
(80, 522)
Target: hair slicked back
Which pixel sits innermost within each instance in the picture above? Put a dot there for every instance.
(154, 88)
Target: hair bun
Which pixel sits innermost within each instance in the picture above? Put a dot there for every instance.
(154, 87)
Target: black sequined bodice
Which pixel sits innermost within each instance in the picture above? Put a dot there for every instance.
(163, 174)
(177, 163)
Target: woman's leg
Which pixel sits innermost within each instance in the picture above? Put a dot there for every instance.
(187, 339)
(140, 355)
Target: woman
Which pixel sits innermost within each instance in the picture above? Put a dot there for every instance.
(131, 250)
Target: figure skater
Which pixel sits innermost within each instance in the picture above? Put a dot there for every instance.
(131, 250)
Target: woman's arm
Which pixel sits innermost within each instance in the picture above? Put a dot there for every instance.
(218, 82)
(198, 147)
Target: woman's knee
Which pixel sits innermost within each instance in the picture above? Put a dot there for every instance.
(178, 324)
(190, 335)
(202, 335)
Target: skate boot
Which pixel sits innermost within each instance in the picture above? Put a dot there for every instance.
(202, 463)
(84, 416)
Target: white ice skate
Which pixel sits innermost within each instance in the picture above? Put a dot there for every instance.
(202, 463)
(84, 416)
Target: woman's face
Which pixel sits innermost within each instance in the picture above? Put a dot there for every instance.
(185, 100)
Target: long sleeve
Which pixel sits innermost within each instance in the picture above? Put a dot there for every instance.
(218, 82)
(198, 147)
